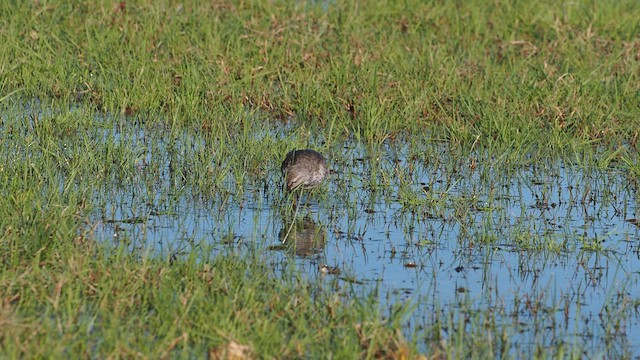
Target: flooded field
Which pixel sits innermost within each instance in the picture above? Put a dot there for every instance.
(542, 254)
(482, 198)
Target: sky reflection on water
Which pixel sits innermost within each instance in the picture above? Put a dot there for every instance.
(550, 239)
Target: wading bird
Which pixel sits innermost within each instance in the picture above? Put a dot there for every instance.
(303, 169)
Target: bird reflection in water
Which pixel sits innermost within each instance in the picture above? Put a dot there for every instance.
(307, 237)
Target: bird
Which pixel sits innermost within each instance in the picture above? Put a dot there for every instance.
(303, 169)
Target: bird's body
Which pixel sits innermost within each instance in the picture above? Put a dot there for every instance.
(303, 168)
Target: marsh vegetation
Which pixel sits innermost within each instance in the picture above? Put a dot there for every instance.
(482, 200)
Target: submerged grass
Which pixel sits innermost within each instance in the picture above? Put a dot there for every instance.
(198, 99)
(64, 294)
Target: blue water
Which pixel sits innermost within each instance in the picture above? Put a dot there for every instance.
(446, 241)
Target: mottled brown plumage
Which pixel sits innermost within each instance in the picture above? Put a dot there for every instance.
(303, 168)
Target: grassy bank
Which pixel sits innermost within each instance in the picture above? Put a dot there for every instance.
(74, 300)
(495, 74)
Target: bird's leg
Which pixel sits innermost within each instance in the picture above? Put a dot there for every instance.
(295, 214)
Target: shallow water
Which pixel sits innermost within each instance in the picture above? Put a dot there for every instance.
(549, 250)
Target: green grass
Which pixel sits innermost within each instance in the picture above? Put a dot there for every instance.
(76, 299)
(97, 96)
(499, 75)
